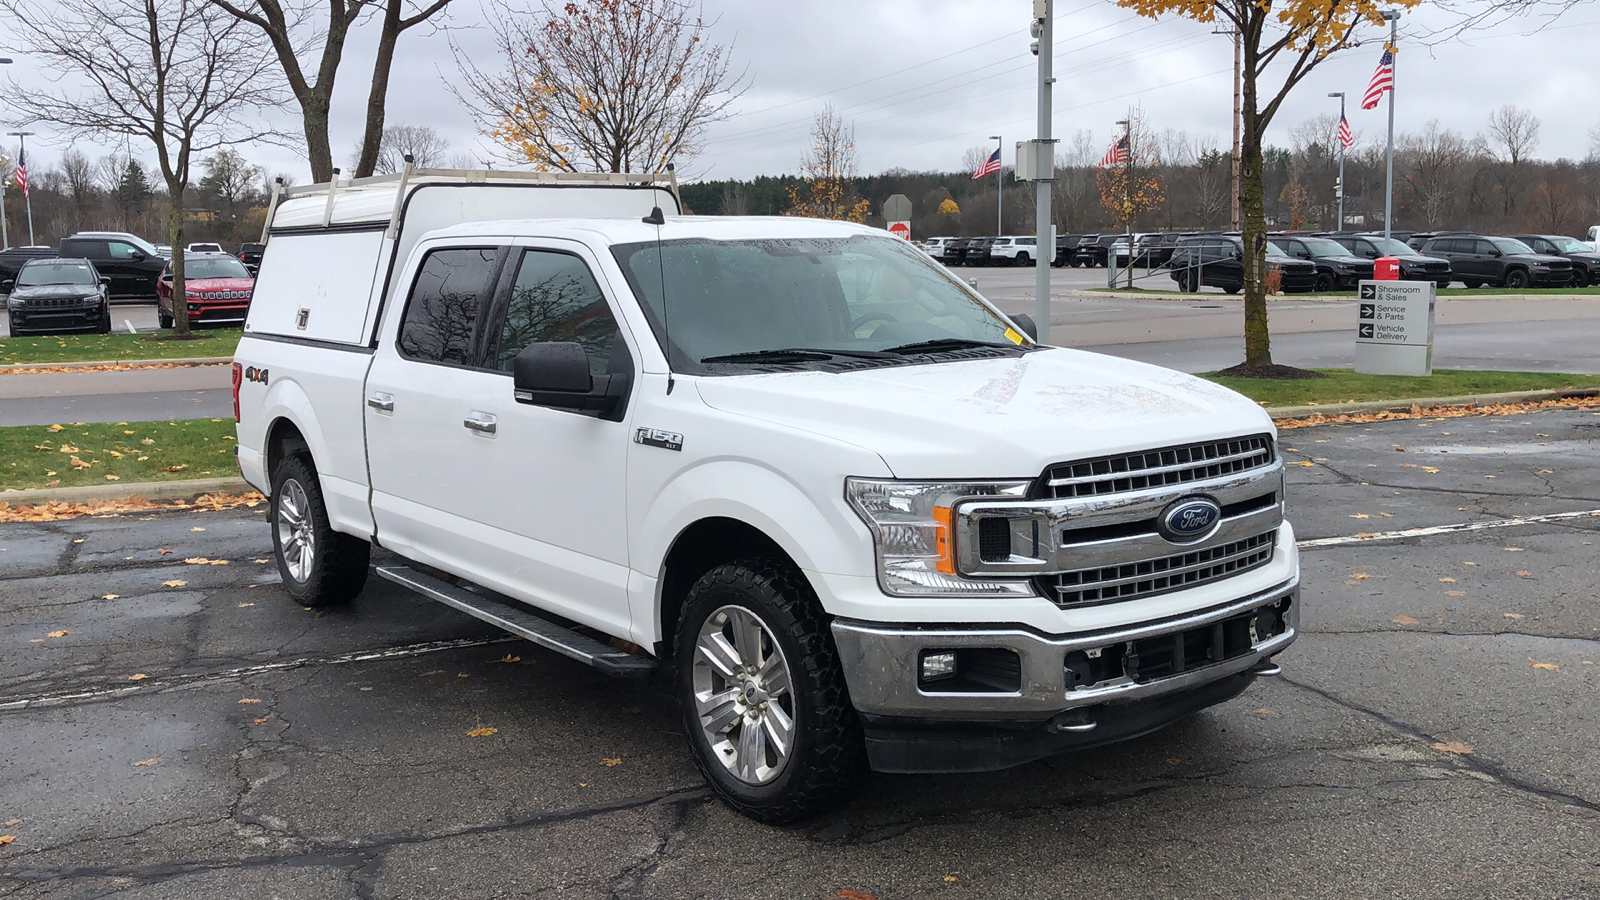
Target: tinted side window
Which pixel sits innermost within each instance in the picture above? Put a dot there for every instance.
(1483, 247)
(555, 298)
(119, 250)
(442, 312)
(83, 249)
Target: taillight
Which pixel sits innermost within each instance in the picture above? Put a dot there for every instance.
(238, 380)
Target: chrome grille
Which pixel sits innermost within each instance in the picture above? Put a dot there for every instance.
(54, 303)
(1157, 468)
(1145, 578)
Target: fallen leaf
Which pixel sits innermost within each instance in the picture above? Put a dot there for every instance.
(1174, 760)
(68, 448)
(197, 528)
(1266, 711)
(113, 477)
(1524, 573)
(6, 839)
(164, 551)
(1360, 576)
(951, 879)
(138, 676)
(1360, 516)
(1448, 580)
(35, 640)
(1408, 465)
(177, 468)
(1458, 747)
(482, 732)
(1430, 470)
(10, 823)
(54, 483)
(847, 894)
(53, 429)
(147, 441)
(1469, 563)
(80, 464)
(245, 700)
(508, 658)
(108, 597)
(434, 672)
(366, 689)
(243, 605)
(1513, 549)
(1305, 462)
(1455, 593)
(1387, 515)
(611, 761)
(174, 583)
(1550, 666)
(258, 721)
(58, 634)
(1406, 620)
(148, 762)
(202, 561)
(262, 561)
(1514, 615)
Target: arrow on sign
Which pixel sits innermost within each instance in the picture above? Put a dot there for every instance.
(1369, 292)
(1364, 330)
(1368, 311)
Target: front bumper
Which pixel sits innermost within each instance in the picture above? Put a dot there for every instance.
(914, 726)
(52, 320)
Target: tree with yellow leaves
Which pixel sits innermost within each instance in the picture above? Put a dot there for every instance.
(599, 85)
(829, 173)
(1292, 37)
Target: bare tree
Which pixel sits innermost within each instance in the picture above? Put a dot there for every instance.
(424, 145)
(176, 74)
(1433, 170)
(1512, 137)
(290, 30)
(599, 85)
(828, 171)
(80, 181)
(230, 180)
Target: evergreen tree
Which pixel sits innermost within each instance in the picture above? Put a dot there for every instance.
(133, 192)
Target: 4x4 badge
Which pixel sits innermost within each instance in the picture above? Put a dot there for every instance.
(666, 440)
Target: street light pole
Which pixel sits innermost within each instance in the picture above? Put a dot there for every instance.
(1044, 225)
(1127, 195)
(999, 188)
(1393, 15)
(5, 233)
(22, 161)
(1337, 137)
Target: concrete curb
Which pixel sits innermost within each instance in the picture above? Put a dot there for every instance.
(149, 490)
(122, 363)
(1377, 406)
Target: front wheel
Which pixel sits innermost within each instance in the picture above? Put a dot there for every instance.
(1326, 282)
(164, 320)
(1517, 278)
(319, 566)
(105, 320)
(764, 701)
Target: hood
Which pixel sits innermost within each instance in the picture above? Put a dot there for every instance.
(1542, 259)
(994, 418)
(44, 291)
(206, 285)
(1422, 261)
(1291, 263)
(1356, 261)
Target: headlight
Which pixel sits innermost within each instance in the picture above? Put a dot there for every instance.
(913, 532)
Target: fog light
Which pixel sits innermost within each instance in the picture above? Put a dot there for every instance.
(941, 664)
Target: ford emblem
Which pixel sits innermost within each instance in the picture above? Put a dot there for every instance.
(1188, 519)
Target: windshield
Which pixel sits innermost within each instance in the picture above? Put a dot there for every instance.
(1568, 245)
(1510, 245)
(856, 295)
(1324, 247)
(1274, 250)
(214, 268)
(37, 274)
(1392, 247)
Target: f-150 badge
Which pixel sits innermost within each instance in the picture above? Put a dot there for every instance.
(654, 437)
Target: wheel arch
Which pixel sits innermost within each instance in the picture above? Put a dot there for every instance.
(701, 546)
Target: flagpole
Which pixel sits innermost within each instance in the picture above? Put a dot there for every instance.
(22, 163)
(999, 187)
(5, 234)
(1339, 136)
(1393, 15)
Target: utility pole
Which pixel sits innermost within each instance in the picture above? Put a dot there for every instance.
(1044, 226)
(1128, 174)
(1338, 136)
(22, 163)
(1238, 102)
(5, 233)
(1393, 15)
(999, 189)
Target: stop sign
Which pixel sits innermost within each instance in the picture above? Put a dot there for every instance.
(900, 229)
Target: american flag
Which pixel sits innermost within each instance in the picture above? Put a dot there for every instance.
(1382, 80)
(989, 167)
(1116, 156)
(1347, 139)
(22, 172)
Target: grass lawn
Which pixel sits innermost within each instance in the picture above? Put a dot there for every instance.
(36, 456)
(1345, 386)
(46, 349)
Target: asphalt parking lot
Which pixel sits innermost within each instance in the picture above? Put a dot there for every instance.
(179, 729)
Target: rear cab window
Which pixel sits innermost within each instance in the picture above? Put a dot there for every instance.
(447, 299)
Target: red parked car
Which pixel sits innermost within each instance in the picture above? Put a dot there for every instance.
(217, 285)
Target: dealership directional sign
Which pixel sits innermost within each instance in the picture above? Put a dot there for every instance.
(1394, 327)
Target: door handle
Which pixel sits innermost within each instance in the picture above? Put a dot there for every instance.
(483, 423)
(381, 402)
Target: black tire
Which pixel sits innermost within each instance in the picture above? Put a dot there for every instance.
(164, 320)
(1581, 278)
(1517, 279)
(1233, 288)
(337, 569)
(1024, 259)
(105, 319)
(1186, 282)
(1327, 282)
(1472, 283)
(827, 757)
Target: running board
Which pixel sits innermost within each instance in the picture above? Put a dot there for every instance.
(504, 613)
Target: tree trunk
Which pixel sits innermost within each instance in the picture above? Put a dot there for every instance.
(1257, 340)
(372, 136)
(180, 299)
(314, 111)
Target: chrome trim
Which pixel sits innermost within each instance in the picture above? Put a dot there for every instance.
(881, 664)
(483, 423)
(1143, 547)
(1157, 470)
(1054, 517)
(1165, 573)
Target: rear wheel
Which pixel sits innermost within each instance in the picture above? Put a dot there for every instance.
(1024, 259)
(1472, 282)
(1233, 288)
(1517, 278)
(319, 566)
(764, 702)
(1326, 282)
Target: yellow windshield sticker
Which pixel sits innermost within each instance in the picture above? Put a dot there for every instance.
(1013, 336)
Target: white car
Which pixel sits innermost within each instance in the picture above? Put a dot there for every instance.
(935, 246)
(1017, 251)
(203, 248)
(872, 522)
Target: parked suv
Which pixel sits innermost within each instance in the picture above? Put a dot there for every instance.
(955, 251)
(49, 296)
(216, 286)
(1067, 249)
(1095, 250)
(979, 250)
(132, 264)
(935, 246)
(1016, 251)
(871, 521)
(1585, 261)
(1414, 266)
(1506, 262)
(1218, 261)
(1337, 269)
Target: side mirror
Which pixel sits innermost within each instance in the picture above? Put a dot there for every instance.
(1303, 254)
(105, 280)
(1371, 254)
(557, 375)
(7, 285)
(1025, 324)
(139, 256)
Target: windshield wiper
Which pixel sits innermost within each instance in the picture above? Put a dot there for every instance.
(795, 354)
(938, 345)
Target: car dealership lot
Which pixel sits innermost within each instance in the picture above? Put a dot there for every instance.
(192, 733)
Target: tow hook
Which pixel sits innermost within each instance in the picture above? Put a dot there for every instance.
(1076, 721)
(1266, 668)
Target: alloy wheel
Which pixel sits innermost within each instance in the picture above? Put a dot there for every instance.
(743, 695)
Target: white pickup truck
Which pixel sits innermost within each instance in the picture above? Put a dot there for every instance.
(866, 520)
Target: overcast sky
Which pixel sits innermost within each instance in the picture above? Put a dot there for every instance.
(923, 80)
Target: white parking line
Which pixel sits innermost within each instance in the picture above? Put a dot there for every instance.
(1445, 529)
(155, 684)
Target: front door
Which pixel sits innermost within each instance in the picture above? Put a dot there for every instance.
(524, 499)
